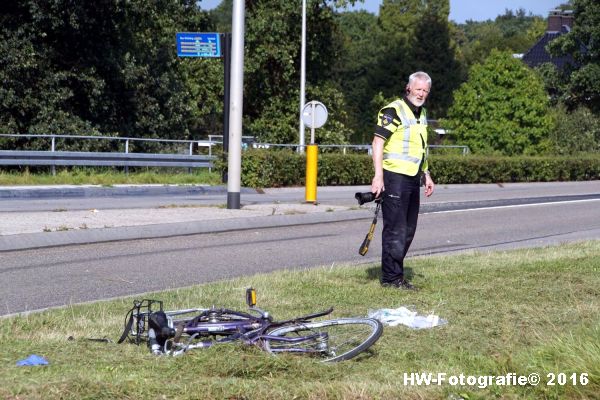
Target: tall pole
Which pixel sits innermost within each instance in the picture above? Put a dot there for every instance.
(302, 75)
(236, 99)
(226, 44)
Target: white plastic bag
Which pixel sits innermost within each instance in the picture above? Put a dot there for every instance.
(404, 316)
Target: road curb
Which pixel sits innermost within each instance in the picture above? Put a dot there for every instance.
(58, 192)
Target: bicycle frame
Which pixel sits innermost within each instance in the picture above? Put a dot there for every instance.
(178, 331)
(250, 330)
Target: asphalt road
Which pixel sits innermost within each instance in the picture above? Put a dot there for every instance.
(343, 195)
(35, 279)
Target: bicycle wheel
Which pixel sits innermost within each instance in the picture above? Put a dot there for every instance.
(332, 340)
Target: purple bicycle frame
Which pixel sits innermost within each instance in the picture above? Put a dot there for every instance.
(248, 332)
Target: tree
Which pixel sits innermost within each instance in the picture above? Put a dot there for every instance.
(574, 131)
(89, 67)
(35, 95)
(582, 83)
(399, 21)
(223, 15)
(284, 129)
(354, 72)
(433, 38)
(272, 66)
(501, 109)
(512, 31)
(416, 37)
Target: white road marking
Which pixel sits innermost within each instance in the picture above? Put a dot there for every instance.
(513, 206)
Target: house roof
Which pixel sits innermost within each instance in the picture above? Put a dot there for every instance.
(538, 55)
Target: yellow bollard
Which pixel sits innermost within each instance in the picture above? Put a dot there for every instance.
(311, 173)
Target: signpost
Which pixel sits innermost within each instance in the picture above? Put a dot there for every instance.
(190, 44)
(195, 44)
(211, 45)
(314, 115)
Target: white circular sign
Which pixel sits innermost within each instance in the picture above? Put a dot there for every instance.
(314, 114)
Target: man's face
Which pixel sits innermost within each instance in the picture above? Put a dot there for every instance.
(417, 92)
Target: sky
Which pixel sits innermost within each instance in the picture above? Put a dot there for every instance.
(460, 10)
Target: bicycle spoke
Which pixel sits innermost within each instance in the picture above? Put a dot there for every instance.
(334, 340)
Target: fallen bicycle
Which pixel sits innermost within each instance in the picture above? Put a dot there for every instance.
(179, 331)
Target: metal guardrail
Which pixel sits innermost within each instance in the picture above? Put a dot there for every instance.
(126, 140)
(464, 149)
(126, 159)
(76, 158)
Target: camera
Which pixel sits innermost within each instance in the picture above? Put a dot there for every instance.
(366, 197)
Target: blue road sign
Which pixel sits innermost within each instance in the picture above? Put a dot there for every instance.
(194, 44)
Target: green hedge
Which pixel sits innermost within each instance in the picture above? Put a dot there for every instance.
(278, 168)
(480, 169)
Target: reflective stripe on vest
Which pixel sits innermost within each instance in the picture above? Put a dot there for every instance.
(398, 154)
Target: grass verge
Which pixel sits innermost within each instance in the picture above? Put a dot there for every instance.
(518, 312)
(110, 176)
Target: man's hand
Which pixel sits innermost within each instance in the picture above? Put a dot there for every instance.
(429, 185)
(377, 185)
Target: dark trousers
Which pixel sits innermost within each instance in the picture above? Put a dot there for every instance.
(400, 208)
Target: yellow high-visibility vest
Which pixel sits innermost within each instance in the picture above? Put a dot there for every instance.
(404, 150)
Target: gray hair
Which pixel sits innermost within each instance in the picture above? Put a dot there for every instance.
(420, 75)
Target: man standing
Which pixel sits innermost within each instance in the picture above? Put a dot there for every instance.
(400, 161)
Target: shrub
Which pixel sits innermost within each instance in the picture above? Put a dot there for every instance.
(278, 168)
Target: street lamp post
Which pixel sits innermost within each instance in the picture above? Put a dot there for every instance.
(236, 105)
(302, 76)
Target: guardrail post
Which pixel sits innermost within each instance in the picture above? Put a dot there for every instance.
(210, 150)
(127, 152)
(53, 147)
(191, 154)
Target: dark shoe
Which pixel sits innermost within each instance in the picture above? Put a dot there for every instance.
(399, 284)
